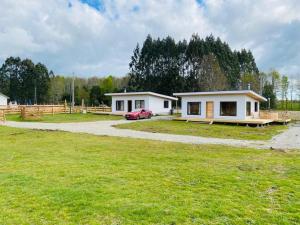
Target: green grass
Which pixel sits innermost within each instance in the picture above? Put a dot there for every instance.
(66, 118)
(282, 105)
(206, 130)
(63, 178)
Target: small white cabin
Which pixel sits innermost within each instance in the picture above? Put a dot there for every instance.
(222, 105)
(131, 101)
(3, 100)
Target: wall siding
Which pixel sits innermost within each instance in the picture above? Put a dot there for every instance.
(241, 106)
(155, 104)
(3, 100)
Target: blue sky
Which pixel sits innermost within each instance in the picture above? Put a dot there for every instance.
(96, 38)
(97, 4)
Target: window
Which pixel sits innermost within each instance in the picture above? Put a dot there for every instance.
(227, 108)
(166, 104)
(248, 108)
(139, 104)
(194, 108)
(119, 105)
(256, 107)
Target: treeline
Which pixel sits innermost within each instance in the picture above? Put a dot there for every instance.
(28, 83)
(91, 90)
(23, 81)
(159, 65)
(166, 66)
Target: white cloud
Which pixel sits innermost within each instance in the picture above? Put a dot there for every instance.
(89, 42)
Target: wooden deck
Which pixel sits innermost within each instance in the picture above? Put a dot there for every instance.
(258, 122)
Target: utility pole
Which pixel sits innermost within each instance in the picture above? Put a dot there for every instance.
(70, 98)
(73, 90)
(35, 98)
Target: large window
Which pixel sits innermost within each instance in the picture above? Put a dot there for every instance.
(248, 108)
(119, 105)
(166, 104)
(139, 104)
(256, 107)
(227, 108)
(194, 108)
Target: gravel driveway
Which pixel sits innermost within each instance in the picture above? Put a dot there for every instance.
(287, 140)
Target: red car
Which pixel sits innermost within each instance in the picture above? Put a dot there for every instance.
(138, 114)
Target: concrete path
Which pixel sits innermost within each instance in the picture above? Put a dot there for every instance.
(287, 140)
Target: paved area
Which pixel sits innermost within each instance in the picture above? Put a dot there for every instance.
(287, 140)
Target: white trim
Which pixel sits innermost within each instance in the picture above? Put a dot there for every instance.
(141, 93)
(243, 92)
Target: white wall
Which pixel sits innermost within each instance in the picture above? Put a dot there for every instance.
(241, 106)
(125, 99)
(3, 100)
(253, 113)
(156, 105)
(153, 103)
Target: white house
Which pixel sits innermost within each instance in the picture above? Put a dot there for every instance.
(3, 100)
(223, 105)
(130, 101)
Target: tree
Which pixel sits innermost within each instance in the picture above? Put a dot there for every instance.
(95, 95)
(298, 89)
(284, 89)
(269, 93)
(250, 79)
(23, 80)
(275, 77)
(57, 89)
(211, 77)
(42, 82)
(166, 66)
(11, 70)
(4, 80)
(292, 89)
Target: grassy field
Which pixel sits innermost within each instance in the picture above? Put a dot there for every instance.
(206, 130)
(65, 118)
(64, 178)
(295, 106)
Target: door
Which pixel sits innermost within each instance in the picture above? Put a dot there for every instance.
(209, 110)
(129, 106)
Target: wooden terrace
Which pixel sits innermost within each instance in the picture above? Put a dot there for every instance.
(257, 122)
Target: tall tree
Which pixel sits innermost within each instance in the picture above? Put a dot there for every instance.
(284, 89)
(164, 66)
(211, 76)
(269, 93)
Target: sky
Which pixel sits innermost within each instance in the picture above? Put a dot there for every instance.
(97, 37)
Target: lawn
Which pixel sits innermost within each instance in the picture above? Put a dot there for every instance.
(206, 130)
(66, 118)
(50, 177)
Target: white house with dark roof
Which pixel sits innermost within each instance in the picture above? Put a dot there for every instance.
(130, 101)
(222, 105)
(3, 100)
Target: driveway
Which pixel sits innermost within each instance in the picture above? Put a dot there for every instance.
(287, 140)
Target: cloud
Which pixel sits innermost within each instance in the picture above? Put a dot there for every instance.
(97, 37)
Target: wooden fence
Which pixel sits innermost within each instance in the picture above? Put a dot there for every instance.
(277, 115)
(53, 109)
(2, 115)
